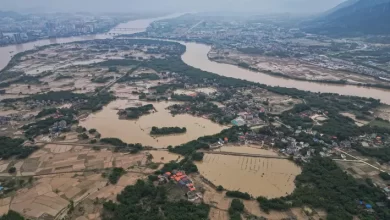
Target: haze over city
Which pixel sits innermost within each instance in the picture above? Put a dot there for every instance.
(264, 6)
(195, 109)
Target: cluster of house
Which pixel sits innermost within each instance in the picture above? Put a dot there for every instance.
(4, 120)
(179, 177)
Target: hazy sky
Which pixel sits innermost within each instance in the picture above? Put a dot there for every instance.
(268, 6)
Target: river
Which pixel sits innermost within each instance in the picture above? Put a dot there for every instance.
(196, 56)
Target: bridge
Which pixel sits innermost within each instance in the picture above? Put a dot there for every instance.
(127, 29)
(245, 154)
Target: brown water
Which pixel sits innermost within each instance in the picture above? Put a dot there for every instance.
(5, 52)
(196, 56)
(249, 149)
(137, 131)
(258, 176)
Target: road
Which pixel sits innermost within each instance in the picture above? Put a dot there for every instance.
(360, 160)
(245, 154)
(197, 24)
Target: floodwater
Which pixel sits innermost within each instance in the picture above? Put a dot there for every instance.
(267, 177)
(7, 52)
(108, 124)
(196, 55)
(160, 156)
(248, 149)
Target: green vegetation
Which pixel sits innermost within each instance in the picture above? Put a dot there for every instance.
(144, 201)
(92, 131)
(136, 112)
(122, 146)
(10, 147)
(83, 136)
(61, 111)
(275, 204)
(383, 154)
(121, 62)
(142, 76)
(61, 77)
(161, 89)
(197, 156)
(167, 130)
(102, 79)
(220, 188)
(12, 170)
(238, 194)
(235, 210)
(96, 103)
(43, 126)
(322, 184)
(115, 174)
(152, 178)
(385, 176)
(380, 123)
(12, 215)
(185, 164)
(231, 134)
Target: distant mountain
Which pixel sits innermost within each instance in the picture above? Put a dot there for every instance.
(340, 6)
(354, 17)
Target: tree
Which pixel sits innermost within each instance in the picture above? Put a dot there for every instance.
(220, 188)
(12, 170)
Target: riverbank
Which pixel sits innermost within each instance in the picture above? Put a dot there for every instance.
(276, 74)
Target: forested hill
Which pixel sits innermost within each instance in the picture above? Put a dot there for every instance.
(361, 18)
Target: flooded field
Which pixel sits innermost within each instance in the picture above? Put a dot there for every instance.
(164, 156)
(249, 149)
(137, 131)
(257, 176)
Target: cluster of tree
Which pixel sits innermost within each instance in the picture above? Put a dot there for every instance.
(122, 146)
(197, 156)
(322, 184)
(12, 215)
(102, 79)
(144, 201)
(383, 153)
(61, 111)
(185, 164)
(136, 112)
(10, 147)
(83, 136)
(96, 102)
(238, 194)
(142, 76)
(384, 175)
(58, 96)
(61, 77)
(235, 209)
(43, 126)
(163, 88)
(118, 62)
(203, 142)
(115, 174)
(167, 130)
(272, 204)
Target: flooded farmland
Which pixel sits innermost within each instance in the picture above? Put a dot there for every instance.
(137, 131)
(258, 176)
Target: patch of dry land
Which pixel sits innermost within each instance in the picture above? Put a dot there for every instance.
(137, 131)
(60, 176)
(267, 177)
(291, 67)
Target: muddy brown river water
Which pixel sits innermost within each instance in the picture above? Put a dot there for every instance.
(108, 124)
(196, 56)
(267, 177)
